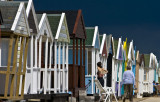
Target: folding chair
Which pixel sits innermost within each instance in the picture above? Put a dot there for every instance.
(105, 91)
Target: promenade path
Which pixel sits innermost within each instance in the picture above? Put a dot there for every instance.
(152, 99)
(145, 99)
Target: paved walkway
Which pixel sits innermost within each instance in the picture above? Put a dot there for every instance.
(145, 99)
(152, 99)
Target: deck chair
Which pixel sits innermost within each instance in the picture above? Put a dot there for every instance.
(105, 91)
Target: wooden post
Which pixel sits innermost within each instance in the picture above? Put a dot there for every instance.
(93, 67)
(77, 76)
(14, 67)
(63, 67)
(35, 71)
(20, 67)
(55, 67)
(24, 66)
(81, 78)
(84, 63)
(49, 73)
(73, 78)
(67, 67)
(31, 61)
(59, 65)
(46, 64)
(8, 65)
(39, 72)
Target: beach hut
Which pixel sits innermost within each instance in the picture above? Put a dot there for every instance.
(43, 51)
(59, 64)
(118, 65)
(92, 44)
(76, 60)
(109, 59)
(31, 63)
(139, 76)
(103, 55)
(148, 73)
(15, 34)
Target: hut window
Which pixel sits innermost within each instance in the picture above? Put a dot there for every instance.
(4, 52)
(89, 62)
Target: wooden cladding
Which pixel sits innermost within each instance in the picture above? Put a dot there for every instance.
(14, 73)
(77, 72)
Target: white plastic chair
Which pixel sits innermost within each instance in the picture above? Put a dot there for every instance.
(105, 91)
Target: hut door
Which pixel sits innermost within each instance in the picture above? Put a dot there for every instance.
(109, 75)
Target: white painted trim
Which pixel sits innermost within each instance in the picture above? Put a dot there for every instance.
(36, 52)
(67, 66)
(59, 65)
(95, 34)
(60, 25)
(102, 43)
(119, 44)
(29, 7)
(39, 72)
(131, 51)
(55, 67)
(63, 67)
(46, 61)
(93, 66)
(31, 61)
(113, 50)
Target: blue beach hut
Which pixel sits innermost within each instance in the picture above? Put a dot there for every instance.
(92, 57)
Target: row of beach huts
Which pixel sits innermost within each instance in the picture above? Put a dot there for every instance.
(51, 56)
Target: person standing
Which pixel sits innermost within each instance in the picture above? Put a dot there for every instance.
(100, 73)
(128, 82)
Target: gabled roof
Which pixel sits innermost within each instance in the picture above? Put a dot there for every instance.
(103, 46)
(75, 22)
(14, 17)
(32, 18)
(92, 37)
(44, 26)
(31, 15)
(59, 27)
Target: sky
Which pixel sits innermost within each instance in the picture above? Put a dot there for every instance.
(138, 20)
